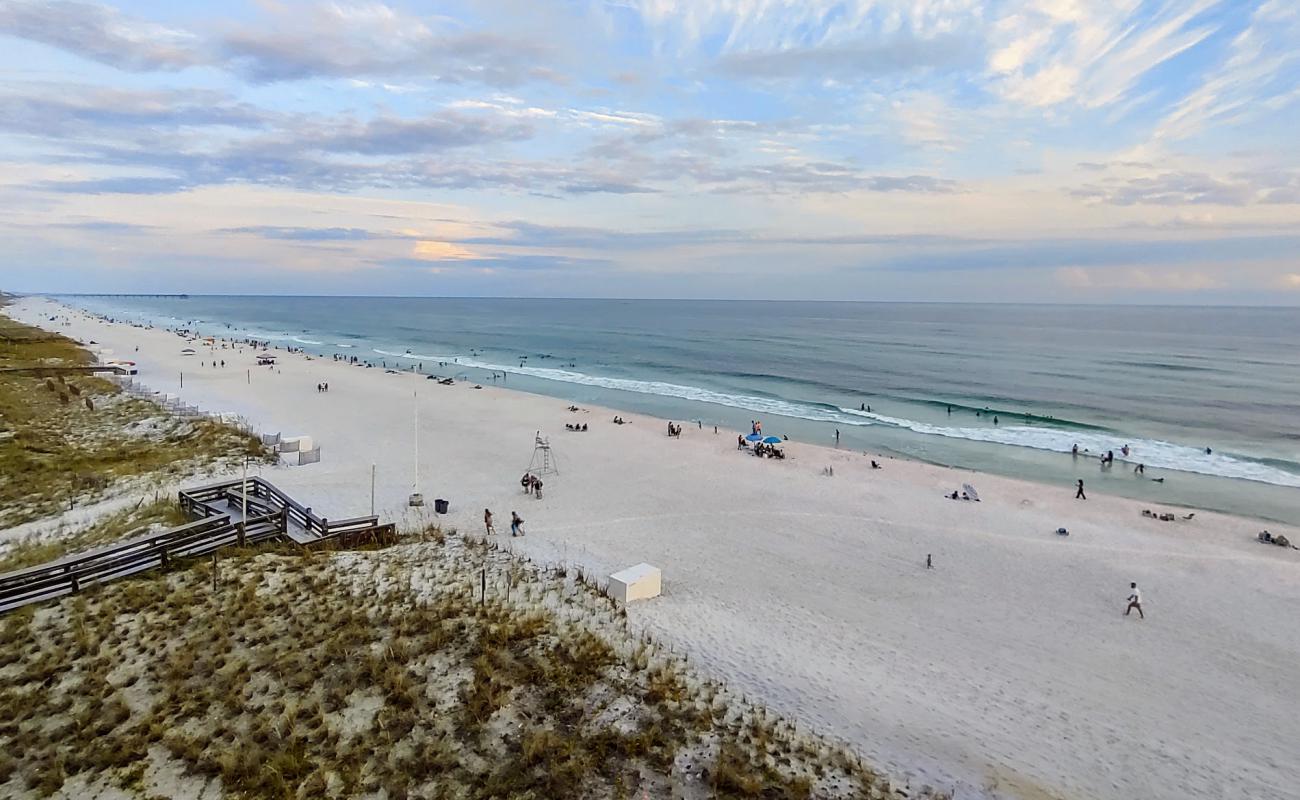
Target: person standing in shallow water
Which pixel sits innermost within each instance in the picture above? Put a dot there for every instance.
(1078, 494)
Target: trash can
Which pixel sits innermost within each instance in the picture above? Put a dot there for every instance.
(440, 506)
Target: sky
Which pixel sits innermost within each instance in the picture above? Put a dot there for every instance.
(1108, 151)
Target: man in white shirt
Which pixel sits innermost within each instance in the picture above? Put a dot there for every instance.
(1134, 601)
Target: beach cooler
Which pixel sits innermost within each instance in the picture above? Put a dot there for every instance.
(635, 583)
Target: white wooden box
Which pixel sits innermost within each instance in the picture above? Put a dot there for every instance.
(635, 583)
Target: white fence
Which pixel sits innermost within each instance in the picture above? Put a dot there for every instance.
(302, 447)
(175, 406)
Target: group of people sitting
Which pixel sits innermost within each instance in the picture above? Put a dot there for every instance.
(575, 427)
(620, 421)
(1268, 538)
(769, 451)
(962, 496)
(532, 485)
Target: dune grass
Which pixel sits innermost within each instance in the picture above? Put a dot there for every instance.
(68, 438)
(382, 673)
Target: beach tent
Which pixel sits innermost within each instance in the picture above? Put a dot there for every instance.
(970, 491)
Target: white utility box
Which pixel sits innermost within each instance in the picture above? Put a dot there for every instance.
(635, 583)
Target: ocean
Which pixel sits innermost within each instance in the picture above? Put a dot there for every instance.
(1207, 399)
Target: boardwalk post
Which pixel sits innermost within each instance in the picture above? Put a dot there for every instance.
(483, 581)
(214, 572)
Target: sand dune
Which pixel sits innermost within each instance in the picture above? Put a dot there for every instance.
(1008, 669)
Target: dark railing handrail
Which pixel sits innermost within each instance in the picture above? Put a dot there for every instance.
(270, 512)
(75, 559)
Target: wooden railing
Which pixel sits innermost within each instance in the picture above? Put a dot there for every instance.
(261, 493)
(272, 515)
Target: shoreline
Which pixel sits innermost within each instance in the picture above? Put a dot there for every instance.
(1038, 451)
(767, 562)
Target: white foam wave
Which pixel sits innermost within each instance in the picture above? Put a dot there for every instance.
(1151, 452)
(301, 340)
(763, 405)
(414, 356)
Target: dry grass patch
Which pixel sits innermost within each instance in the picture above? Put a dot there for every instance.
(66, 438)
(388, 671)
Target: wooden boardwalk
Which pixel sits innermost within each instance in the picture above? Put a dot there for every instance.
(215, 509)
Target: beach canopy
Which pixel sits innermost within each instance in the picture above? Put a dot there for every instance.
(754, 437)
(772, 440)
(970, 491)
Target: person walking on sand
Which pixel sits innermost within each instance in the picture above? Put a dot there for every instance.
(1134, 601)
(527, 483)
(487, 522)
(516, 524)
(929, 563)
(837, 436)
(1078, 494)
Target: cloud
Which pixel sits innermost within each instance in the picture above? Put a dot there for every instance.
(1089, 54)
(339, 40)
(100, 33)
(293, 42)
(123, 185)
(1086, 253)
(522, 263)
(429, 250)
(1139, 279)
(80, 110)
(99, 226)
(1257, 75)
(527, 234)
(851, 60)
(395, 135)
(304, 234)
(1195, 188)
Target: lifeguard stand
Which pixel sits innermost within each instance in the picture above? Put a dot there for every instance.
(543, 461)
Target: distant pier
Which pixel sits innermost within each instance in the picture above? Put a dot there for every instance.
(156, 296)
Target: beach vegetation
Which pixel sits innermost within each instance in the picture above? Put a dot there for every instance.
(55, 453)
(354, 673)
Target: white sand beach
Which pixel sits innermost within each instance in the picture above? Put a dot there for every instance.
(1007, 670)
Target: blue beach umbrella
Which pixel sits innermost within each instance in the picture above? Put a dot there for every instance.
(772, 440)
(754, 437)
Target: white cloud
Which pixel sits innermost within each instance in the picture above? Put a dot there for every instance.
(1258, 74)
(1092, 54)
